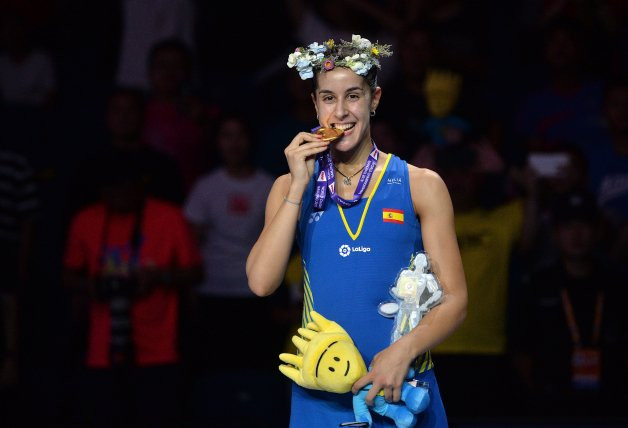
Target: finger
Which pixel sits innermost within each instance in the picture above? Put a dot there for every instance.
(371, 394)
(299, 343)
(303, 136)
(317, 138)
(304, 154)
(388, 394)
(362, 382)
(290, 372)
(308, 334)
(295, 360)
(297, 150)
(396, 394)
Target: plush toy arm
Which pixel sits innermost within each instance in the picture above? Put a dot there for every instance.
(360, 409)
(417, 398)
(398, 412)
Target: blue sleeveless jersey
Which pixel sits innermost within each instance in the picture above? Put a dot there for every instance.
(351, 258)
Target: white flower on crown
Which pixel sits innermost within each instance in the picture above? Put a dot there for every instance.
(293, 58)
(357, 65)
(317, 56)
(362, 43)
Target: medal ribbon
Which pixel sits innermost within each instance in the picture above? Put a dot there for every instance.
(326, 180)
(571, 318)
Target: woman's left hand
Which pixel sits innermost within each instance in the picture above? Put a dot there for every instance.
(387, 372)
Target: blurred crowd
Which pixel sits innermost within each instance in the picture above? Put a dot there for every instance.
(138, 142)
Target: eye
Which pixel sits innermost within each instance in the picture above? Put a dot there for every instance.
(331, 369)
(328, 98)
(336, 359)
(353, 97)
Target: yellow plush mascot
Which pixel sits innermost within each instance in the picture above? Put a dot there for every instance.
(328, 360)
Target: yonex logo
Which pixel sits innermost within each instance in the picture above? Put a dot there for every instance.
(315, 216)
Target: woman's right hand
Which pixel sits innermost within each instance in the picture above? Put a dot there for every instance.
(301, 153)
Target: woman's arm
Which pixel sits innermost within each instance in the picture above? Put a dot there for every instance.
(267, 261)
(433, 206)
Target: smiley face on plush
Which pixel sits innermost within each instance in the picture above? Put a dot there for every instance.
(329, 361)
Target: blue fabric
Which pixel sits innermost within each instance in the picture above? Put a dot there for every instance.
(348, 289)
(316, 409)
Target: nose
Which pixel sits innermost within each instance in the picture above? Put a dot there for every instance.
(340, 111)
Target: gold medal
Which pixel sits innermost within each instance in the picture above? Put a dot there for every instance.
(330, 134)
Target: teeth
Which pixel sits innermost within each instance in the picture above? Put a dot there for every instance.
(343, 126)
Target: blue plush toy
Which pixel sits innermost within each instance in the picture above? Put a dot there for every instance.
(414, 399)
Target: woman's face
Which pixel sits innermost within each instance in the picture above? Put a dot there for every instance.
(343, 100)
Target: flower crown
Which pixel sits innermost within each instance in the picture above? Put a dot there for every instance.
(360, 55)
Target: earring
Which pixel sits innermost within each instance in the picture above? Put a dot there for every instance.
(372, 113)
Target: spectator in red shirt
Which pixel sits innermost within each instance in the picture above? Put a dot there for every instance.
(128, 256)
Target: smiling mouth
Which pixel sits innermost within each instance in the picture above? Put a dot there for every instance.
(347, 371)
(344, 126)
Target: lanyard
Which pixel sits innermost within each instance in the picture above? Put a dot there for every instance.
(571, 318)
(327, 180)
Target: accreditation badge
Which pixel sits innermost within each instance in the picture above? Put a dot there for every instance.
(586, 368)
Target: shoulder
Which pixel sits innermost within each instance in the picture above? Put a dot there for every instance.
(425, 182)
(428, 190)
(424, 177)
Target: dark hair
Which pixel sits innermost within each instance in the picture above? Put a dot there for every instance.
(170, 44)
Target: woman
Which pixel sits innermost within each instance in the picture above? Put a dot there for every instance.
(351, 250)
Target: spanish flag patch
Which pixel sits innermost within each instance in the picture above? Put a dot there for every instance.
(390, 215)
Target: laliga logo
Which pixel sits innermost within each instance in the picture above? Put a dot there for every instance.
(345, 250)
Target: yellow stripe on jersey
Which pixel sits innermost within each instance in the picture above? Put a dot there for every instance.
(308, 300)
(355, 235)
(423, 362)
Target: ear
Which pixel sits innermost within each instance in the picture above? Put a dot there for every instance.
(377, 95)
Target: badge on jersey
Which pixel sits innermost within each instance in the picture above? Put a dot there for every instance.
(390, 215)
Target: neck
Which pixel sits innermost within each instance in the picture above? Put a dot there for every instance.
(354, 158)
(578, 267)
